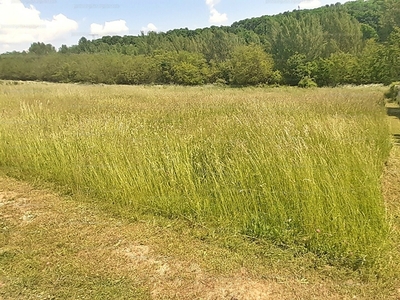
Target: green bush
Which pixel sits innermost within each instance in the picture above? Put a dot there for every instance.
(393, 94)
(220, 82)
(250, 65)
(307, 82)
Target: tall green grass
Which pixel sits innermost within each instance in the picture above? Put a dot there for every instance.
(294, 166)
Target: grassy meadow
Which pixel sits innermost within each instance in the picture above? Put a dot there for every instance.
(299, 168)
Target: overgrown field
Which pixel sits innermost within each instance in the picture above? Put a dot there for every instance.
(297, 167)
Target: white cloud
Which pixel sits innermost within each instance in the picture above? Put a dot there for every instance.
(109, 28)
(149, 27)
(215, 16)
(212, 2)
(20, 26)
(310, 4)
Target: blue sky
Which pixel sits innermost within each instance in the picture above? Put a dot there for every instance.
(23, 22)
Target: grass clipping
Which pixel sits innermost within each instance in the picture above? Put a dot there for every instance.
(300, 168)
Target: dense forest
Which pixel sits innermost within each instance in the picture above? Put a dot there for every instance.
(353, 43)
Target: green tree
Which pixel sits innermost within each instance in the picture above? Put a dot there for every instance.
(373, 66)
(41, 48)
(393, 54)
(182, 68)
(136, 70)
(297, 68)
(302, 36)
(217, 44)
(390, 18)
(339, 68)
(368, 32)
(342, 33)
(250, 65)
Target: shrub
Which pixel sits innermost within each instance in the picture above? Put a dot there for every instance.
(393, 94)
(307, 82)
(220, 82)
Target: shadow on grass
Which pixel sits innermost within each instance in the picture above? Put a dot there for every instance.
(393, 112)
(396, 138)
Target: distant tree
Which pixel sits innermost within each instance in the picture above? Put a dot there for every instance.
(368, 32)
(186, 73)
(182, 68)
(217, 44)
(342, 32)
(41, 48)
(291, 35)
(390, 18)
(250, 65)
(373, 65)
(66, 73)
(85, 46)
(339, 68)
(366, 12)
(297, 67)
(393, 53)
(63, 49)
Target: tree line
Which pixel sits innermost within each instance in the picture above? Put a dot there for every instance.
(353, 43)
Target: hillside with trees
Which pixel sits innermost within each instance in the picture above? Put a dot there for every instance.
(353, 43)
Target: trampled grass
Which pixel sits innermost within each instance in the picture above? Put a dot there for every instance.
(297, 167)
